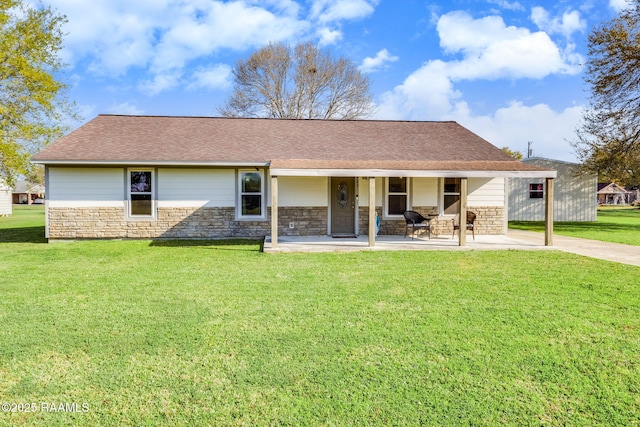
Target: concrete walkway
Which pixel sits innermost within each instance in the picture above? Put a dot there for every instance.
(617, 252)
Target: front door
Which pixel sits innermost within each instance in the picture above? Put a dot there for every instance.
(343, 205)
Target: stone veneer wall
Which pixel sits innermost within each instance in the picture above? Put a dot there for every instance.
(110, 223)
(490, 220)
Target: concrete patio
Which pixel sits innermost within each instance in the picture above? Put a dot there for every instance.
(514, 240)
(387, 243)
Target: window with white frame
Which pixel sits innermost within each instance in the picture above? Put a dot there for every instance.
(536, 191)
(141, 192)
(397, 196)
(451, 196)
(251, 200)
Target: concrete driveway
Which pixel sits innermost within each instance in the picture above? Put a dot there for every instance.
(617, 252)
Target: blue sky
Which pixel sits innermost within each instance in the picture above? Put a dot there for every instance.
(511, 71)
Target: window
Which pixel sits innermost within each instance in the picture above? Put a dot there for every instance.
(536, 191)
(251, 195)
(451, 200)
(396, 196)
(141, 193)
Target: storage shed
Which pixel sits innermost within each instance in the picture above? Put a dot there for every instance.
(575, 195)
(5, 199)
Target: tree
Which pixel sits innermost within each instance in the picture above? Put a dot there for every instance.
(32, 102)
(300, 83)
(609, 134)
(515, 154)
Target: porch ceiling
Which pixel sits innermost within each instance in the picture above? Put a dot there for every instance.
(469, 169)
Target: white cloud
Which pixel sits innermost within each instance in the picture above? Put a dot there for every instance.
(426, 94)
(337, 10)
(513, 126)
(160, 83)
(125, 108)
(162, 36)
(328, 36)
(569, 23)
(618, 4)
(216, 77)
(490, 49)
(381, 59)
(508, 5)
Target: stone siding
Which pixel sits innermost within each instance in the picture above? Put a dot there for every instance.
(110, 223)
(390, 227)
(307, 221)
(490, 220)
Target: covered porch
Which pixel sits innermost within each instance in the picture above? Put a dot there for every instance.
(371, 179)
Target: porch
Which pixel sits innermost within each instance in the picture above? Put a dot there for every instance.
(391, 243)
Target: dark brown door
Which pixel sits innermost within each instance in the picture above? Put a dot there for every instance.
(343, 205)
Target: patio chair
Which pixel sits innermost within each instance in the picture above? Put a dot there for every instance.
(471, 219)
(416, 221)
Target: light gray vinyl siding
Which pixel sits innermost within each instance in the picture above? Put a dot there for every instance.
(5, 200)
(574, 194)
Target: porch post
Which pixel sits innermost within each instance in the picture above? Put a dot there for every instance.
(274, 212)
(548, 215)
(372, 211)
(462, 230)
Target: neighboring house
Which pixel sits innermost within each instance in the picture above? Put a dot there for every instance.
(574, 193)
(613, 194)
(26, 192)
(190, 177)
(5, 199)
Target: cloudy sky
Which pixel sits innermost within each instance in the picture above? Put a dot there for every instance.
(511, 71)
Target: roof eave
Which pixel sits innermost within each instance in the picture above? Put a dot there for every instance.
(413, 173)
(147, 163)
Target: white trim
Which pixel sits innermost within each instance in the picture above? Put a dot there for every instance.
(262, 194)
(443, 193)
(149, 163)
(386, 193)
(413, 173)
(154, 183)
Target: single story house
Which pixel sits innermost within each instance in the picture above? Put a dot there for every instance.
(5, 199)
(206, 177)
(26, 192)
(613, 194)
(575, 193)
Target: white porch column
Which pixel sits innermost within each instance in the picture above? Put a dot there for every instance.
(548, 215)
(462, 230)
(372, 211)
(274, 212)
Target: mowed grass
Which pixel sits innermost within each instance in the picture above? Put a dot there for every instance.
(217, 333)
(617, 225)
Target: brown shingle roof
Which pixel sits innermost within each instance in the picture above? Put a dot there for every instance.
(285, 143)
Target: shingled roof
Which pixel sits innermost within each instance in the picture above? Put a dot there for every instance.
(279, 143)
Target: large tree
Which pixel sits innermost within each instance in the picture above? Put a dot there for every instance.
(32, 102)
(300, 83)
(609, 135)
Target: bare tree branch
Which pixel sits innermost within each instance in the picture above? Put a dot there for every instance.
(300, 83)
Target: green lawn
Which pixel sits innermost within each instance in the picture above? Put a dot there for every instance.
(217, 333)
(618, 225)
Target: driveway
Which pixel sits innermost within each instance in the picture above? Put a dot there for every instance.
(617, 252)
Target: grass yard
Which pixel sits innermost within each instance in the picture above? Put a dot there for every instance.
(217, 333)
(617, 225)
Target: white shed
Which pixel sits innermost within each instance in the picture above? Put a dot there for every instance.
(5, 199)
(575, 194)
